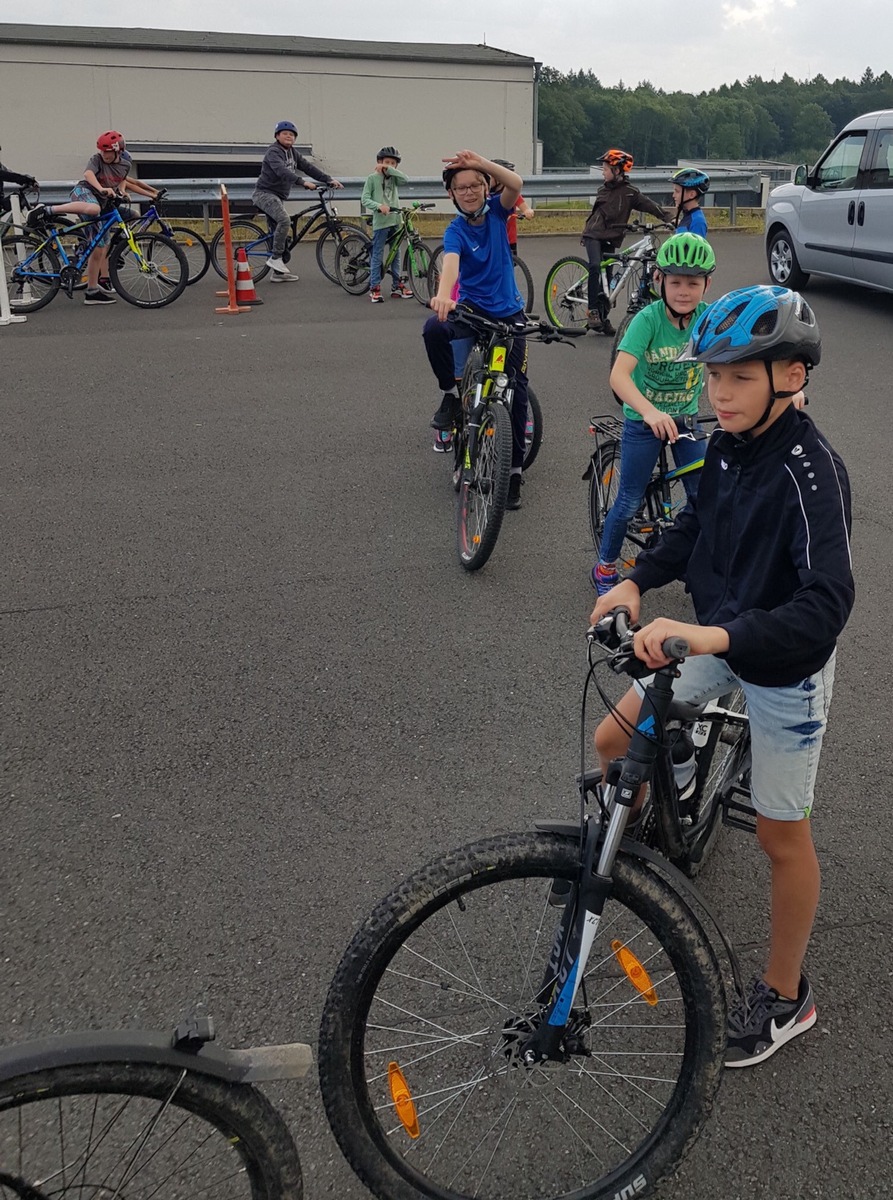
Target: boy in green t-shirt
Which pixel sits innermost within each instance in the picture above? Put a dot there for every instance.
(382, 200)
(660, 395)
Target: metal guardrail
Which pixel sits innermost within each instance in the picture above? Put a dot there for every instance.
(563, 186)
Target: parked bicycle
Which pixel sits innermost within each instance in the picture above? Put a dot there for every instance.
(320, 218)
(482, 437)
(146, 269)
(664, 496)
(481, 1038)
(523, 278)
(353, 262)
(145, 1114)
(628, 273)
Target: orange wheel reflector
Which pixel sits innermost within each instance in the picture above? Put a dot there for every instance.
(476, 539)
(608, 476)
(403, 1101)
(489, 431)
(635, 972)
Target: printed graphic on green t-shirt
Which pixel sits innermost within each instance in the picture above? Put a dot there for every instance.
(671, 386)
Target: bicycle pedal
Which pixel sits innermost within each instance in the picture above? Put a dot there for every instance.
(735, 814)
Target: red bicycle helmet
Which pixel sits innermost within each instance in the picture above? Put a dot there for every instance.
(112, 140)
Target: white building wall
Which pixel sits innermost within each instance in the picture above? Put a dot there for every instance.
(55, 99)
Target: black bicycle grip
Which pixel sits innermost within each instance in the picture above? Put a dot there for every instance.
(675, 647)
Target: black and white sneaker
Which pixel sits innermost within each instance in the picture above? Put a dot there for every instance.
(99, 297)
(761, 1021)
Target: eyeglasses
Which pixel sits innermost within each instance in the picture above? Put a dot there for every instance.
(469, 187)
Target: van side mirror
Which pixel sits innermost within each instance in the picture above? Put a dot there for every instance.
(801, 175)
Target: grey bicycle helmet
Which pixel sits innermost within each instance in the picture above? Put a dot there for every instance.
(387, 152)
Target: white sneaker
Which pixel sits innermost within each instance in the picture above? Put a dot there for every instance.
(281, 273)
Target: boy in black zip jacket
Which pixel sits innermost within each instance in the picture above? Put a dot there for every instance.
(764, 551)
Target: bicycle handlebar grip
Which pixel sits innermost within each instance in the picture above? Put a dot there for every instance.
(675, 647)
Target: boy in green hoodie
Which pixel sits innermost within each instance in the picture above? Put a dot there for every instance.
(381, 199)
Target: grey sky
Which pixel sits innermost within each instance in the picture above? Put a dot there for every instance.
(690, 44)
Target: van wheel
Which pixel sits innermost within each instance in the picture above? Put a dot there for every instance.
(783, 266)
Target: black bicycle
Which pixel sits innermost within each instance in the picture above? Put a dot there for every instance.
(482, 436)
(353, 262)
(136, 1114)
(320, 218)
(540, 1014)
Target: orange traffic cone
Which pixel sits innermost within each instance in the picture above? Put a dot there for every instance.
(245, 293)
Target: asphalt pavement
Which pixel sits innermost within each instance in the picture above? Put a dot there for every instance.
(247, 687)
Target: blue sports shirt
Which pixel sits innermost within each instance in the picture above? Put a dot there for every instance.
(486, 267)
(693, 222)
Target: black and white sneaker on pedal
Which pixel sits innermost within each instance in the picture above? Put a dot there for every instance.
(761, 1021)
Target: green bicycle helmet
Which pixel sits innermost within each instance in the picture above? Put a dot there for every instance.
(686, 254)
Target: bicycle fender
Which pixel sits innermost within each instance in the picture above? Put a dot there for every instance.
(255, 1064)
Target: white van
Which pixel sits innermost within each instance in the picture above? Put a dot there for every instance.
(837, 218)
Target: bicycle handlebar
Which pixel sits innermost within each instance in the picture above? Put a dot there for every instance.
(615, 633)
(541, 330)
(641, 227)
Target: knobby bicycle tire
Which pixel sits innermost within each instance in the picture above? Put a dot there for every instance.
(604, 484)
(615, 346)
(483, 489)
(245, 235)
(196, 249)
(444, 980)
(27, 295)
(417, 270)
(155, 278)
(327, 245)
(533, 435)
(353, 264)
(565, 293)
(118, 1128)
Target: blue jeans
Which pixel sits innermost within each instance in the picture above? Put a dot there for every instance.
(639, 452)
(379, 241)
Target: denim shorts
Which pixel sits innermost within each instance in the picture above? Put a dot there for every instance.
(787, 725)
(87, 196)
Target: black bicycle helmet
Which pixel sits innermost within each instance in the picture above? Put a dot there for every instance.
(503, 162)
(387, 152)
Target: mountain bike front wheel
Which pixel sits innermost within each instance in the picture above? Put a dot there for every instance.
(141, 1129)
(152, 277)
(566, 295)
(421, 1058)
(483, 488)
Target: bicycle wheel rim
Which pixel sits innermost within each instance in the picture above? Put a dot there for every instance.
(31, 282)
(353, 264)
(247, 236)
(137, 1129)
(483, 489)
(524, 283)
(196, 250)
(417, 269)
(566, 297)
(154, 277)
(446, 991)
(533, 432)
(604, 484)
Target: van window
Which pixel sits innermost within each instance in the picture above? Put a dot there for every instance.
(839, 171)
(880, 167)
